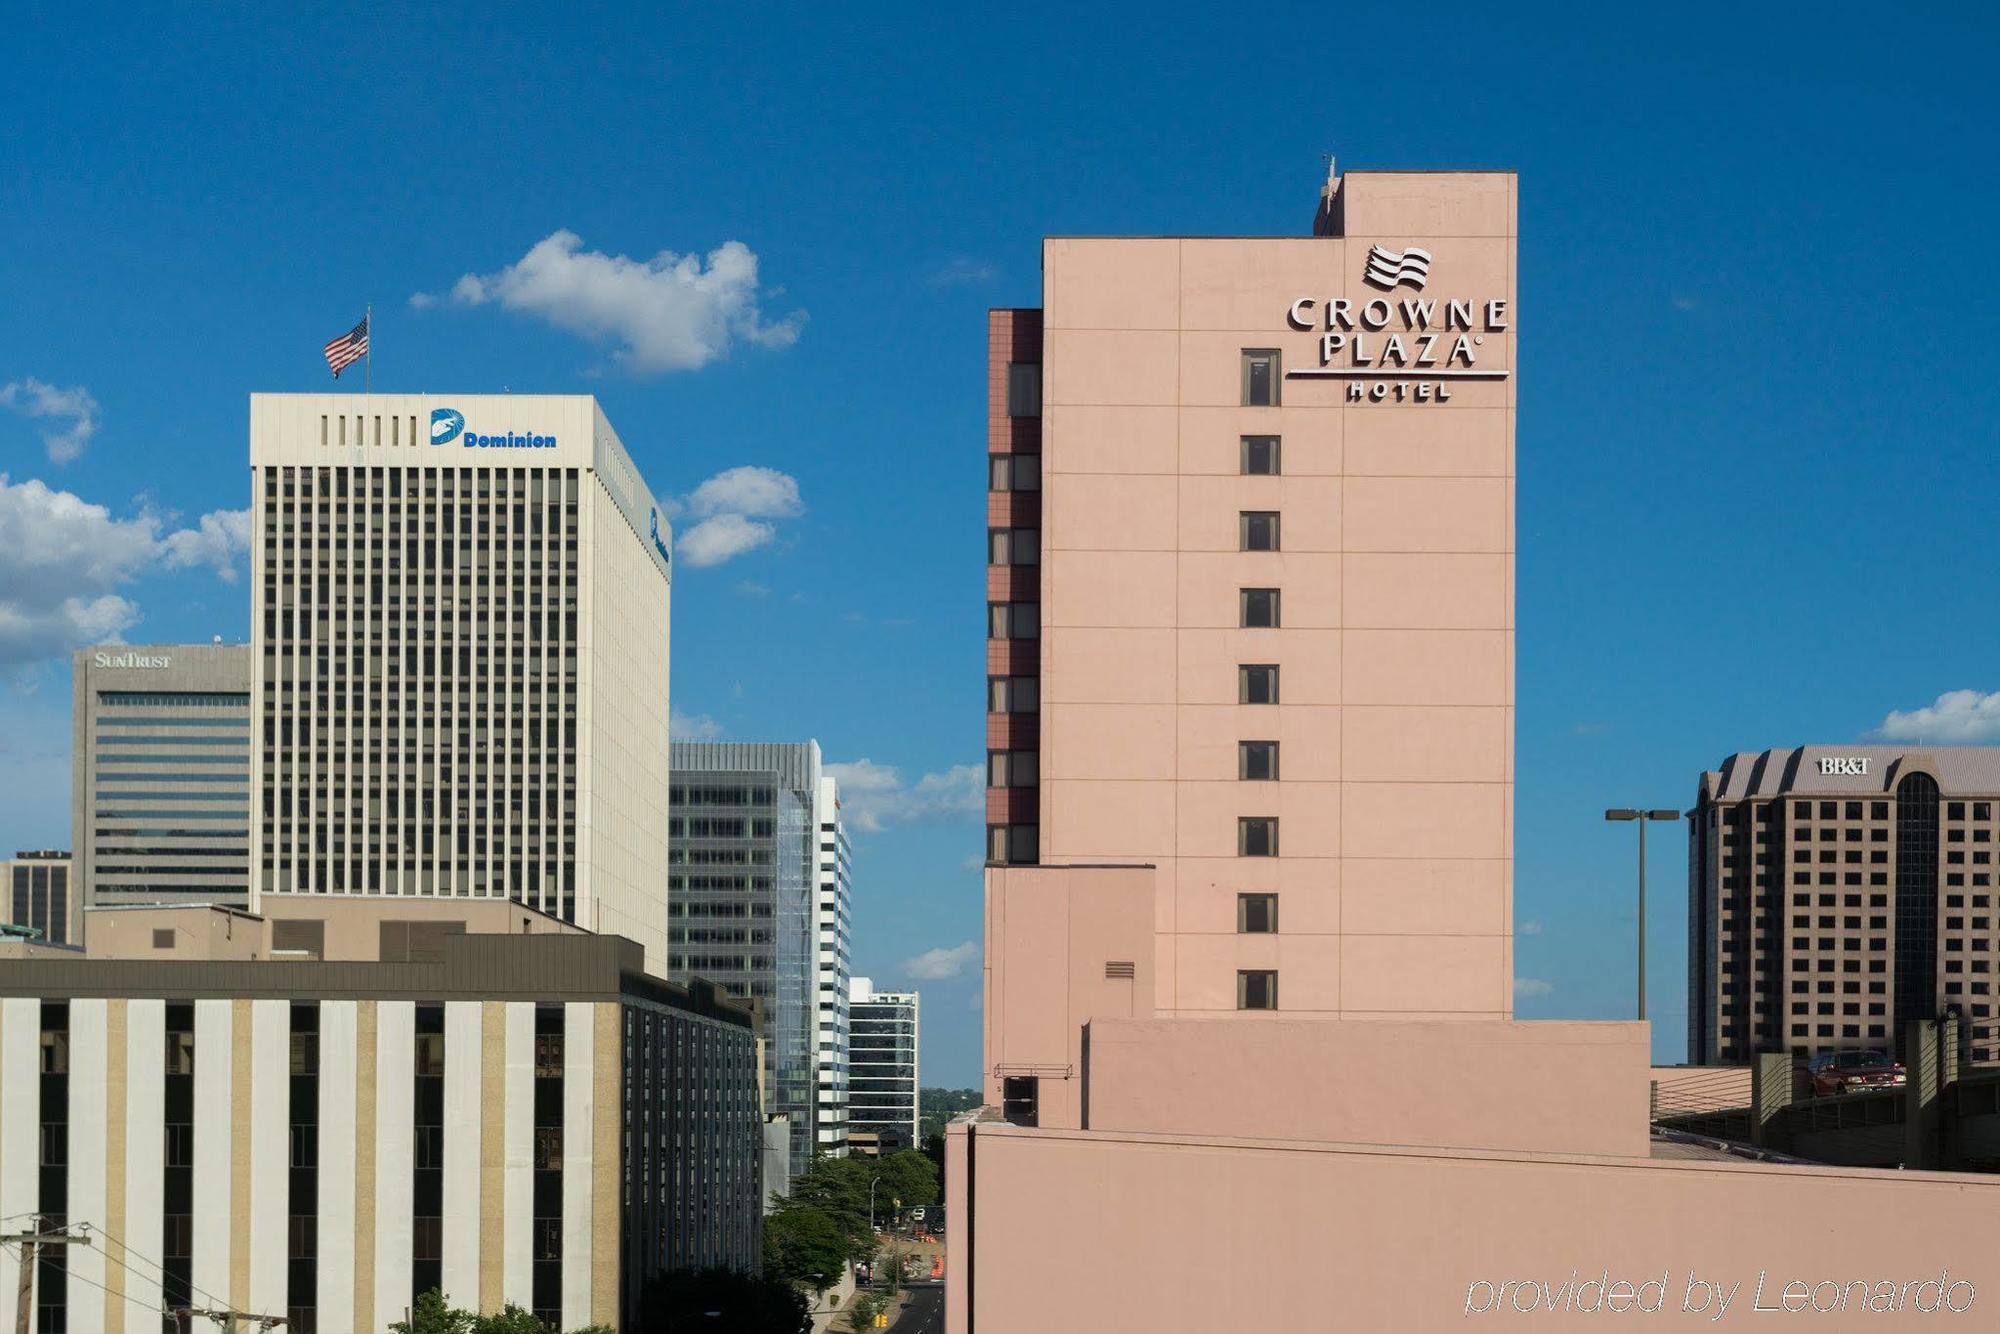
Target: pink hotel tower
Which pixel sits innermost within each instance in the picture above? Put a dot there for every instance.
(1252, 554)
(1250, 1057)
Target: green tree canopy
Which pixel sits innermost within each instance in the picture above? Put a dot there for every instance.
(433, 1314)
(907, 1176)
(803, 1245)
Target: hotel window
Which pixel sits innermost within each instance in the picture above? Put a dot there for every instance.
(1016, 472)
(1020, 1099)
(1259, 608)
(1014, 620)
(1257, 683)
(1257, 761)
(1013, 546)
(1010, 768)
(1012, 844)
(1260, 377)
(1256, 914)
(1013, 694)
(1257, 836)
(1258, 530)
(1024, 389)
(1257, 989)
(1261, 457)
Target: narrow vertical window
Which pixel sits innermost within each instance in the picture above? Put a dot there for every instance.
(1260, 608)
(1257, 683)
(1024, 389)
(1256, 914)
(1257, 761)
(1257, 530)
(1257, 989)
(1260, 377)
(1261, 456)
(1257, 836)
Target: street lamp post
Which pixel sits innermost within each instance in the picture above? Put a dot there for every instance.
(1626, 813)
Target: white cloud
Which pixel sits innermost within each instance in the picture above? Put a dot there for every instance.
(750, 588)
(668, 313)
(1529, 988)
(692, 726)
(1528, 928)
(934, 965)
(67, 559)
(1957, 716)
(734, 508)
(422, 300)
(721, 537)
(216, 540)
(74, 406)
(963, 271)
(873, 796)
(761, 493)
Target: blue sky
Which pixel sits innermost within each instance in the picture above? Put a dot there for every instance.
(1756, 438)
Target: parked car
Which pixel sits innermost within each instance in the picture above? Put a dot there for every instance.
(1836, 1072)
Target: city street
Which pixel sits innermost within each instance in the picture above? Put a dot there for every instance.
(925, 1313)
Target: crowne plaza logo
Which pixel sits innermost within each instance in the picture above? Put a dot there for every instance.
(1388, 269)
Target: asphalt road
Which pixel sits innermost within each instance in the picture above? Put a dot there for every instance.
(925, 1313)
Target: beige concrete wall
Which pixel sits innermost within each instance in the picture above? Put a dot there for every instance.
(353, 925)
(198, 933)
(1396, 650)
(1544, 1087)
(1050, 931)
(1088, 1231)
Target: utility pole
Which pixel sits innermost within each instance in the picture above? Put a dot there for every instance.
(31, 1244)
(232, 1321)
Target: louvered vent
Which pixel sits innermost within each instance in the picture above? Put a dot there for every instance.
(1120, 968)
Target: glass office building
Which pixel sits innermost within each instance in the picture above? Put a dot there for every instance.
(882, 1066)
(743, 861)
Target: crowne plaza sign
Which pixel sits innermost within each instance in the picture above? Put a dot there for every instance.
(1394, 347)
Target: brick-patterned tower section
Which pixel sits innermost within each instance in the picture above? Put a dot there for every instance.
(1013, 574)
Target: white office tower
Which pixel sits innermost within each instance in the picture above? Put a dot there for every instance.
(832, 921)
(459, 625)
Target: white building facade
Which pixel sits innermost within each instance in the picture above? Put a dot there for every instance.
(460, 647)
(832, 931)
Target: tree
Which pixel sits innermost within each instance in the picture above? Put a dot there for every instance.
(510, 1319)
(937, 1106)
(721, 1299)
(432, 1314)
(861, 1314)
(909, 1177)
(803, 1245)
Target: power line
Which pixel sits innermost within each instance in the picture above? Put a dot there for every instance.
(160, 1278)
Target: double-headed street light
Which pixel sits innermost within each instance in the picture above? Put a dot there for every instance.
(1625, 813)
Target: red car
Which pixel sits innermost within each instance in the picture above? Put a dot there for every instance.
(1836, 1072)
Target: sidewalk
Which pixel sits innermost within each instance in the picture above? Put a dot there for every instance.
(834, 1303)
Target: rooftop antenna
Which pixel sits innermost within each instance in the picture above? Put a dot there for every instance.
(1329, 221)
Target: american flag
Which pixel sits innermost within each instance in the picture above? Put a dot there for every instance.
(347, 349)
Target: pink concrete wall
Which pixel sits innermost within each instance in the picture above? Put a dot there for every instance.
(1050, 931)
(1545, 1087)
(1396, 651)
(1090, 1231)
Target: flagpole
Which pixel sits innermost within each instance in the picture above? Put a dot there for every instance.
(368, 361)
